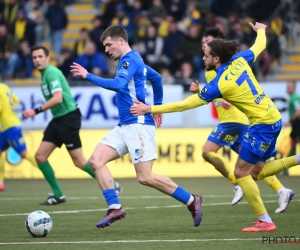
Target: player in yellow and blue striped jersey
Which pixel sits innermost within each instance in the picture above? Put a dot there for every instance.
(236, 83)
(11, 131)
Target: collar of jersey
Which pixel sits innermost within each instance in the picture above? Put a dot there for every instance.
(222, 67)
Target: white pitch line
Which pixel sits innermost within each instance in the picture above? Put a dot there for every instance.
(134, 208)
(125, 241)
(122, 197)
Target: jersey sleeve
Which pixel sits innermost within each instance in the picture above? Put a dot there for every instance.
(127, 67)
(210, 91)
(15, 100)
(53, 82)
(251, 54)
(156, 81)
(247, 54)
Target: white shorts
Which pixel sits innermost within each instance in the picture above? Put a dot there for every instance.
(137, 139)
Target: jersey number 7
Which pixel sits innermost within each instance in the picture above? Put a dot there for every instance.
(245, 77)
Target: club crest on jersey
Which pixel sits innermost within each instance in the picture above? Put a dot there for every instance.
(203, 91)
(125, 65)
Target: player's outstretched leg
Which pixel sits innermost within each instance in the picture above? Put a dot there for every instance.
(285, 194)
(167, 186)
(275, 167)
(111, 216)
(195, 209)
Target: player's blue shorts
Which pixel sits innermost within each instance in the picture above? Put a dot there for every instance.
(12, 137)
(229, 134)
(259, 143)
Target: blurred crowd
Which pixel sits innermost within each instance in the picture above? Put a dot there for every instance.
(167, 33)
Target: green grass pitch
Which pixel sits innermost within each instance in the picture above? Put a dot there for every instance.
(153, 221)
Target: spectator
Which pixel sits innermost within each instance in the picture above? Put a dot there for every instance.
(239, 35)
(23, 28)
(187, 75)
(24, 65)
(142, 25)
(167, 78)
(175, 8)
(92, 60)
(192, 16)
(157, 12)
(152, 46)
(172, 41)
(58, 22)
(191, 45)
(124, 20)
(96, 32)
(36, 10)
(8, 57)
(10, 11)
(110, 12)
(66, 59)
(80, 44)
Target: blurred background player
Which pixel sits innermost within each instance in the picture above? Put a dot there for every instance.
(63, 128)
(230, 132)
(11, 131)
(294, 114)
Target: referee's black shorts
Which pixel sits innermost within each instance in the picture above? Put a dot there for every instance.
(295, 134)
(65, 130)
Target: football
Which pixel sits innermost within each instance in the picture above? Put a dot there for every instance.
(38, 224)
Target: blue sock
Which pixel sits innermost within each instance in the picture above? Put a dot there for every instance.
(181, 195)
(111, 197)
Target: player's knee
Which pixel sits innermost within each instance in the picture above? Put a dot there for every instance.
(78, 162)
(96, 162)
(205, 155)
(238, 173)
(145, 180)
(40, 158)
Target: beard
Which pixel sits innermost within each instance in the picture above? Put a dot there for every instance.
(210, 66)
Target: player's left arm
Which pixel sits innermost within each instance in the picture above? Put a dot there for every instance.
(259, 45)
(156, 80)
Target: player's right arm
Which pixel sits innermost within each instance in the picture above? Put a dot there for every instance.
(123, 76)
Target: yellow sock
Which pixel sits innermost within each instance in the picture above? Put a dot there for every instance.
(275, 167)
(231, 177)
(273, 182)
(220, 164)
(2, 164)
(252, 194)
(31, 159)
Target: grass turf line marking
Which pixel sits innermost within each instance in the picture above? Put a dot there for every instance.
(125, 241)
(134, 208)
(123, 197)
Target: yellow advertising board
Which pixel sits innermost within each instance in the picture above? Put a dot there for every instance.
(179, 155)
